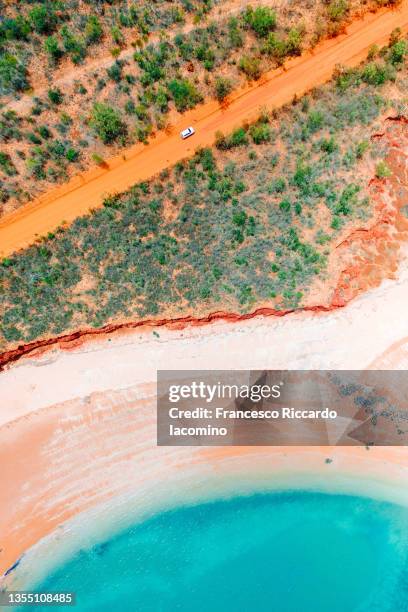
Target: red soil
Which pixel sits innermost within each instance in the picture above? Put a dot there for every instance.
(377, 247)
(373, 254)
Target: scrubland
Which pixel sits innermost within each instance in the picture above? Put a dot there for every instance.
(254, 221)
(95, 77)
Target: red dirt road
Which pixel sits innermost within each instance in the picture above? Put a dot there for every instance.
(140, 162)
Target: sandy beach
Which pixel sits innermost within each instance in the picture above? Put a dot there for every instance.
(78, 425)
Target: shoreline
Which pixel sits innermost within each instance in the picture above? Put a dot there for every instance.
(81, 453)
(297, 341)
(380, 476)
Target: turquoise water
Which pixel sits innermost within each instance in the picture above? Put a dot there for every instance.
(292, 552)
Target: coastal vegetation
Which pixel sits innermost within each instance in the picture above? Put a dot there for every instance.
(251, 222)
(142, 80)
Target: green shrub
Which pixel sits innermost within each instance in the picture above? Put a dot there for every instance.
(260, 132)
(278, 47)
(222, 142)
(239, 218)
(262, 20)
(275, 47)
(13, 74)
(347, 200)
(115, 71)
(52, 48)
(302, 177)
(117, 35)
(141, 112)
(239, 137)
(107, 122)
(315, 120)
(55, 96)
(6, 164)
(43, 19)
(73, 45)
(285, 206)
(93, 30)
(152, 61)
(236, 139)
(162, 100)
(328, 145)
(72, 154)
(223, 86)
(205, 54)
(398, 52)
(278, 186)
(57, 149)
(361, 148)
(35, 164)
(382, 170)
(17, 28)
(337, 9)
(34, 138)
(251, 66)
(377, 74)
(44, 132)
(294, 42)
(236, 39)
(184, 94)
(345, 77)
(98, 159)
(372, 52)
(130, 107)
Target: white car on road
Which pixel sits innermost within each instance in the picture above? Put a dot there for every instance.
(187, 133)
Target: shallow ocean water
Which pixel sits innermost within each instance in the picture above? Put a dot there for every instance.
(289, 552)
